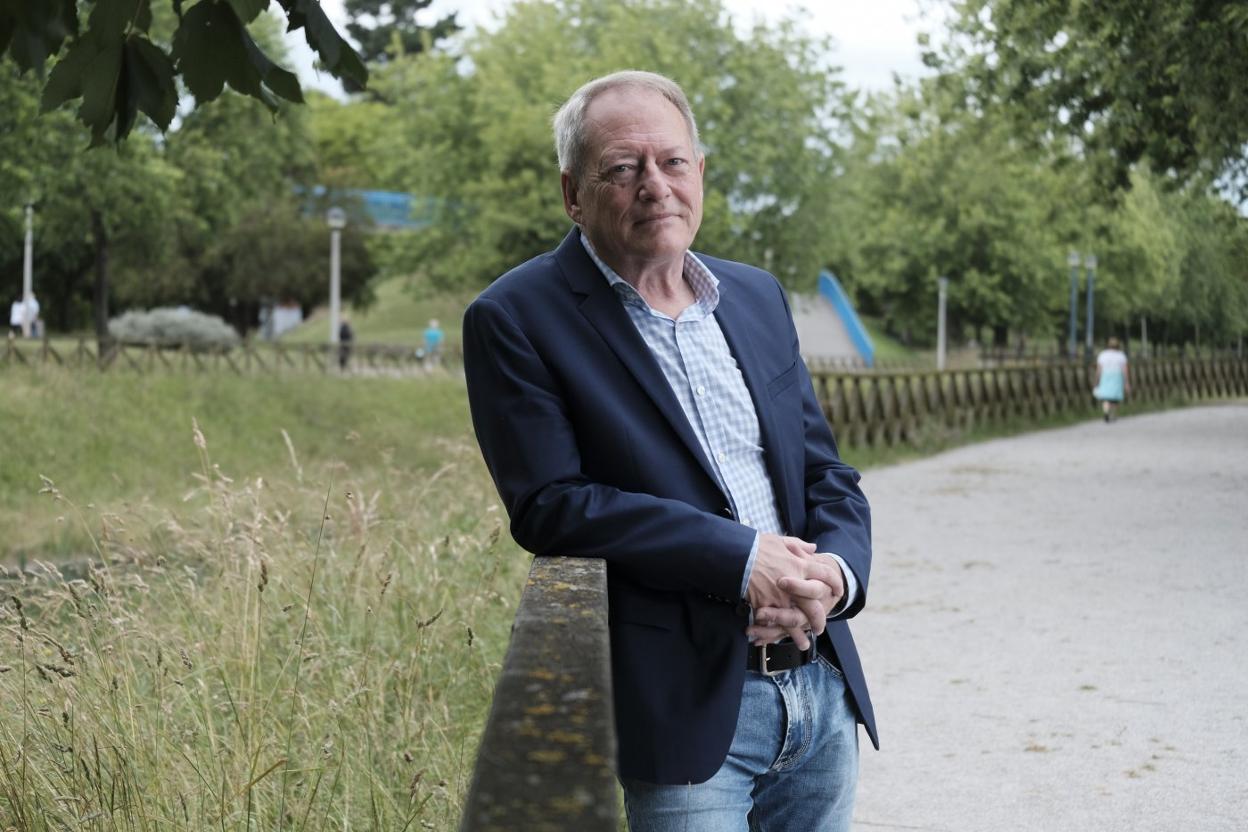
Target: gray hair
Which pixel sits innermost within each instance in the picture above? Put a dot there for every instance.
(571, 143)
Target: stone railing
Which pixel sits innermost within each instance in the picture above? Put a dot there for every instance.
(547, 758)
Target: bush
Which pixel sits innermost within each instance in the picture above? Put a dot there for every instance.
(173, 326)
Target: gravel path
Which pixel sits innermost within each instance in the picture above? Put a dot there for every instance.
(1057, 631)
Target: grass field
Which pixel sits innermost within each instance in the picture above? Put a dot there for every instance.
(295, 634)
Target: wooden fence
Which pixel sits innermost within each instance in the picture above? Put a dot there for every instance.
(886, 409)
(244, 358)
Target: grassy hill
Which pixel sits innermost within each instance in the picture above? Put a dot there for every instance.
(119, 439)
(889, 350)
(398, 316)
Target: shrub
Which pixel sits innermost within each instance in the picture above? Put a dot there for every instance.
(173, 325)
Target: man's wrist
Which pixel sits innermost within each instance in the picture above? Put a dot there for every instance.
(749, 565)
(849, 582)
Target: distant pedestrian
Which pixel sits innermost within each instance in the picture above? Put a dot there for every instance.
(24, 314)
(1113, 381)
(433, 343)
(346, 335)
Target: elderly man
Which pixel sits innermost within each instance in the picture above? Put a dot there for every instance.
(645, 405)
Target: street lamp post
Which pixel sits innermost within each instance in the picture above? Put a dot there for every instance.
(28, 276)
(1073, 260)
(337, 220)
(942, 297)
(1089, 261)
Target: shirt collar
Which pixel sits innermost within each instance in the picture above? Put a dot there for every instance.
(705, 285)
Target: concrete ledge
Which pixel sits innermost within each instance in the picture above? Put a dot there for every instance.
(547, 757)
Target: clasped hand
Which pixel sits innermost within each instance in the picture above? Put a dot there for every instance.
(791, 590)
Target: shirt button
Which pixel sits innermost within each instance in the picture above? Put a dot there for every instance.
(721, 456)
(745, 521)
(701, 390)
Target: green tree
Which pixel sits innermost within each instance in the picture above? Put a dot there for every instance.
(1139, 243)
(386, 28)
(1159, 81)
(237, 163)
(355, 143)
(1211, 297)
(274, 254)
(480, 140)
(1170, 259)
(932, 191)
(99, 216)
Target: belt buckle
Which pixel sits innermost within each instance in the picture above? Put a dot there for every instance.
(762, 662)
(763, 658)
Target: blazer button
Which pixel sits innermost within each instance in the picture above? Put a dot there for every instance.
(726, 511)
(742, 609)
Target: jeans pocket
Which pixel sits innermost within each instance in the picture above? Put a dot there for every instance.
(819, 657)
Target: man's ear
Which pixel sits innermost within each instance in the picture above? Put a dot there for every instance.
(571, 200)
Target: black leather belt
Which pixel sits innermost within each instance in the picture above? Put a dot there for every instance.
(772, 659)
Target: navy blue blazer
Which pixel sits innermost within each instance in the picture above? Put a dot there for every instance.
(593, 456)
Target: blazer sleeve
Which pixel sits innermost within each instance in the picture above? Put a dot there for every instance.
(838, 517)
(530, 447)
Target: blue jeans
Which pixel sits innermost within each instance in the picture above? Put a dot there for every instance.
(792, 765)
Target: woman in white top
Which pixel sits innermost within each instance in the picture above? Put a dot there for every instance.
(1112, 379)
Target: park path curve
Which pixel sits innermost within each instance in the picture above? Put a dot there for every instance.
(1056, 635)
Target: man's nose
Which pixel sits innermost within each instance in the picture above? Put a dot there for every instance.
(654, 184)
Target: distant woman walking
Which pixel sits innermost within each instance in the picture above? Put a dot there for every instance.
(1112, 379)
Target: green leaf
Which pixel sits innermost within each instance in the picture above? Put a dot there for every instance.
(284, 83)
(125, 105)
(101, 83)
(33, 31)
(212, 48)
(337, 55)
(149, 79)
(65, 81)
(248, 10)
(115, 18)
(8, 25)
(201, 66)
(69, 16)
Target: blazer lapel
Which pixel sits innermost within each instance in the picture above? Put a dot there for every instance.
(737, 321)
(602, 307)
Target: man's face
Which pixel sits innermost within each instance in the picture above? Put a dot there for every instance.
(639, 197)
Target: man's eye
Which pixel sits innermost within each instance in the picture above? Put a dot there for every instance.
(675, 162)
(621, 169)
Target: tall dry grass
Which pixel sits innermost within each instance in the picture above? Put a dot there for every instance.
(287, 654)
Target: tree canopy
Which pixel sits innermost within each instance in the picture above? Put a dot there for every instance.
(1153, 81)
(954, 176)
(480, 140)
(386, 28)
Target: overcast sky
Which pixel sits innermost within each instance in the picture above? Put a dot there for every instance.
(873, 38)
